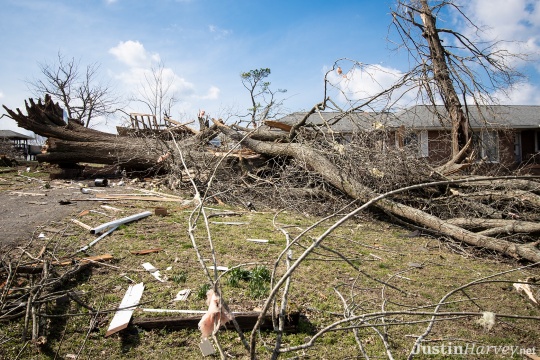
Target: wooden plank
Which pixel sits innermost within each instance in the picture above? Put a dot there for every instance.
(145, 251)
(85, 260)
(81, 224)
(278, 125)
(122, 317)
(246, 320)
(138, 197)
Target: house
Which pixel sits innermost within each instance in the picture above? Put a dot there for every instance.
(508, 135)
(17, 140)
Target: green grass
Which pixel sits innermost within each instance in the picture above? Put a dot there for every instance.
(318, 288)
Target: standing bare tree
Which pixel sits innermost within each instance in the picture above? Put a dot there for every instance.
(259, 90)
(451, 66)
(82, 95)
(156, 92)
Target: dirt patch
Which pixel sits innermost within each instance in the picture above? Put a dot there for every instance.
(29, 202)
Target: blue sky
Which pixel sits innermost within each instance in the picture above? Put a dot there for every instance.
(206, 44)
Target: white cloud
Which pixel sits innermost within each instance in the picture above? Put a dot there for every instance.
(516, 23)
(521, 94)
(212, 94)
(1, 94)
(218, 32)
(361, 83)
(133, 53)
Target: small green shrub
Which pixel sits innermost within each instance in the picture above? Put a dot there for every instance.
(202, 290)
(259, 282)
(236, 275)
(180, 278)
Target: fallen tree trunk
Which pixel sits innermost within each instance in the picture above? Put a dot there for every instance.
(70, 143)
(317, 161)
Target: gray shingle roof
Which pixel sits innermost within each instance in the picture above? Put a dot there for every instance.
(494, 116)
(8, 134)
(424, 117)
(343, 122)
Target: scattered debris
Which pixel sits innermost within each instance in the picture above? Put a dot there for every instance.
(228, 223)
(85, 260)
(161, 211)
(101, 182)
(145, 251)
(219, 268)
(112, 208)
(174, 311)
(182, 295)
(246, 320)
(84, 248)
(226, 213)
(81, 224)
(152, 270)
(206, 347)
(116, 223)
(125, 310)
(258, 240)
(528, 291)
(108, 197)
(20, 193)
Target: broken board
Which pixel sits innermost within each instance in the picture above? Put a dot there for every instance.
(122, 317)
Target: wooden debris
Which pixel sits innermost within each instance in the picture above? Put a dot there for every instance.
(226, 213)
(246, 320)
(81, 224)
(228, 223)
(125, 310)
(145, 251)
(84, 212)
(135, 197)
(85, 260)
(20, 193)
(112, 208)
(161, 211)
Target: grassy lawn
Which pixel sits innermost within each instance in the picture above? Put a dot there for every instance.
(384, 271)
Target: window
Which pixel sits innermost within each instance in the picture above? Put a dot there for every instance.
(537, 145)
(418, 140)
(487, 145)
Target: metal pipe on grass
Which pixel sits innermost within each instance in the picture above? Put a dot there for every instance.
(115, 223)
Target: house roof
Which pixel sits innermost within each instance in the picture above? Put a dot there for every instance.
(423, 117)
(492, 116)
(12, 135)
(343, 122)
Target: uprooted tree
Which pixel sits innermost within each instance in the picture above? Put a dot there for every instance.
(321, 168)
(298, 162)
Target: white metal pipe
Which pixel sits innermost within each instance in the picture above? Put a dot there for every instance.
(116, 223)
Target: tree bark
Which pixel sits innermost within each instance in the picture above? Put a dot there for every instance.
(460, 130)
(318, 162)
(71, 143)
